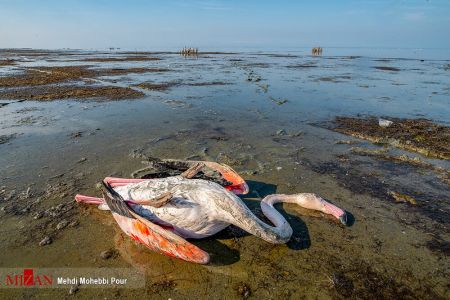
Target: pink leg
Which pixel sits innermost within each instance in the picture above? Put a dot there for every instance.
(309, 201)
(114, 181)
(98, 201)
(88, 199)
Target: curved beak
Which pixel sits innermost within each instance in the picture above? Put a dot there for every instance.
(343, 218)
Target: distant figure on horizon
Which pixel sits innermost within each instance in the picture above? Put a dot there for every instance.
(189, 51)
(316, 51)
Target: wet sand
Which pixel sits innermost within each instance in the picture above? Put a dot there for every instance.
(268, 116)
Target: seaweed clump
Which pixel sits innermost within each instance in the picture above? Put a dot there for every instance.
(156, 86)
(162, 286)
(350, 176)
(48, 93)
(417, 135)
(52, 75)
(6, 138)
(365, 282)
(385, 68)
(7, 62)
(439, 245)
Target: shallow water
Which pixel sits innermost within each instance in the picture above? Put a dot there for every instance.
(386, 253)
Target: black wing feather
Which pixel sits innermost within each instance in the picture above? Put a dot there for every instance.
(115, 202)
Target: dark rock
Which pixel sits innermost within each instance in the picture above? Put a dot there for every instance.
(74, 223)
(38, 215)
(107, 254)
(73, 289)
(62, 224)
(244, 290)
(281, 132)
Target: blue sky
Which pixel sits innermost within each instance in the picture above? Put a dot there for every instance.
(232, 24)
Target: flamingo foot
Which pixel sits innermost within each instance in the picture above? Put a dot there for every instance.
(89, 200)
(115, 182)
(192, 171)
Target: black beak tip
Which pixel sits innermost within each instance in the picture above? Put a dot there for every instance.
(343, 219)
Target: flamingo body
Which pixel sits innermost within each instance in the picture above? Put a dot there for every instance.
(196, 208)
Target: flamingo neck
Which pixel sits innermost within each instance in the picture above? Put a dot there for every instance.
(240, 215)
(281, 232)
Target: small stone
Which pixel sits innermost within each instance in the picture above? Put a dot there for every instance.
(45, 241)
(281, 132)
(77, 134)
(62, 224)
(73, 289)
(107, 254)
(38, 215)
(279, 168)
(320, 239)
(244, 290)
(296, 134)
(384, 123)
(74, 223)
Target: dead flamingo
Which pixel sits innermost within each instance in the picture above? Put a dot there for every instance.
(176, 208)
(151, 235)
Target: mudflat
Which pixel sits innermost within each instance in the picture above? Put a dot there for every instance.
(287, 122)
